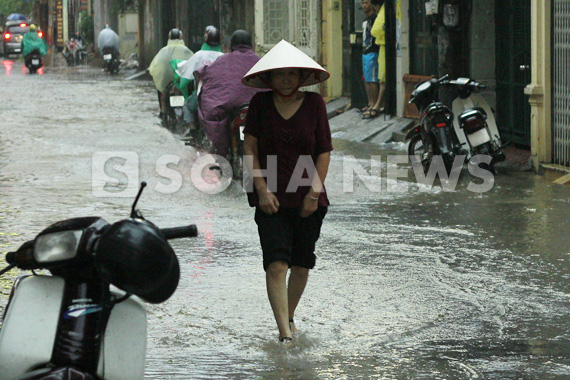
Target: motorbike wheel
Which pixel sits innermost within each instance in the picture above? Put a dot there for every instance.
(114, 67)
(417, 148)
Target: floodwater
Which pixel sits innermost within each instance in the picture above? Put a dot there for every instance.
(411, 282)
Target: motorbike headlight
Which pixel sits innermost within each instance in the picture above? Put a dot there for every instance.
(57, 246)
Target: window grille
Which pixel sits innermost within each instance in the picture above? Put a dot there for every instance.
(561, 82)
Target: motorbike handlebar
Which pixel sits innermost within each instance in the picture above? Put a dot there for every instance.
(180, 232)
(22, 258)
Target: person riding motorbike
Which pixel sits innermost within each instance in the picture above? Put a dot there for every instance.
(210, 51)
(108, 42)
(161, 67)
(32, 42)
(220, 90)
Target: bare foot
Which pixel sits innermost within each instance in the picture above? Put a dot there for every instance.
(294, 329)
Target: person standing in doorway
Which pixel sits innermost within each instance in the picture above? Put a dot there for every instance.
(369, 60)
(379, 33)
(287, 153)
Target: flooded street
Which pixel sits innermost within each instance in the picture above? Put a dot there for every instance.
(410, 282)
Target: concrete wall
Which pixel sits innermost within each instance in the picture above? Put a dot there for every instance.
(128, 31)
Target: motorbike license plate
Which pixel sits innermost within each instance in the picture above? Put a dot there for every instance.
(176, 101)
(241, 134)
(107, 57)
(35, 61)
(17, 50)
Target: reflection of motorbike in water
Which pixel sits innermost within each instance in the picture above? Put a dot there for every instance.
(111, 61)
(33, 61)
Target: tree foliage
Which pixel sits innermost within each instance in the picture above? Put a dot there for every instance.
(8, 7)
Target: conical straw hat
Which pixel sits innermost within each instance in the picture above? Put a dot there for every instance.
(281, 56)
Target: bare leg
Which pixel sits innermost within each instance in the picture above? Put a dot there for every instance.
(276, 276)
(372, 93)
(297, 282)
(379, 105)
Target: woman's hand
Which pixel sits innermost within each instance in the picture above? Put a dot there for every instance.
(310, 205)
(268, 202)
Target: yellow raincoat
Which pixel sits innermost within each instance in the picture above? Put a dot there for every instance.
(160, 68)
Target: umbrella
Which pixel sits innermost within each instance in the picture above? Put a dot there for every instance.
(16, 17)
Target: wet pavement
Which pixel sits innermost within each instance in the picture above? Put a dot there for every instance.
(411, 282)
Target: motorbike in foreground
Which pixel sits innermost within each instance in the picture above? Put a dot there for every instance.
(110, 61)
(86, 320)
(34, 61)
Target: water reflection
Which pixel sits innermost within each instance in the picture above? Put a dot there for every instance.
(7, 66)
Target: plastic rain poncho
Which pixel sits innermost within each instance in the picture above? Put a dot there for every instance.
(31, 42)
(187, 68)
(160, 68)
(108, 38)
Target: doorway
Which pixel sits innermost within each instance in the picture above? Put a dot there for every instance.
(513, 70)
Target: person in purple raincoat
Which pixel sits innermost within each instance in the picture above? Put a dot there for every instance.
(220, 90)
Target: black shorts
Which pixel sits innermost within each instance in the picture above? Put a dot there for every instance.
(287, 237)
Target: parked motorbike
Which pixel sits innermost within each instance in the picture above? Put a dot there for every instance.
(86, 320)
(74, 52)
(434, 135)
(33, 61)
(111, 62)
(475, 125)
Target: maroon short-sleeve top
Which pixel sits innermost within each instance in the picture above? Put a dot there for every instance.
(294, 144)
